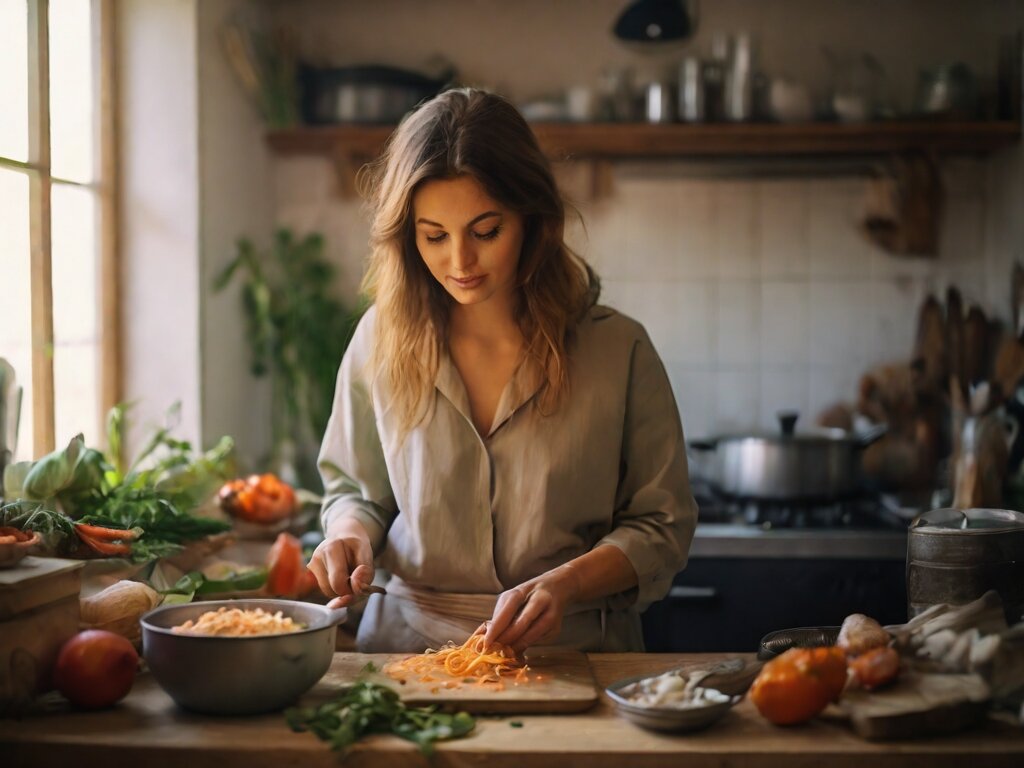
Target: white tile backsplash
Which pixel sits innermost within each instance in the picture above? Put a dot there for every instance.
(839, 322)
(738, 334)
(758, 295)
(695, 395)
(961, 242)
(893, 310)
(784, 323)
(735, 222)
(651, 249)
(782, 229)
(835, 246)
(679, 317)
(694, 231)
(737, 399)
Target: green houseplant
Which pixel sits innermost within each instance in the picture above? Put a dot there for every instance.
(297, 331)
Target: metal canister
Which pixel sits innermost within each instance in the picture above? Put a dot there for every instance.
(956, 555)
(691, 91)
(659, 103)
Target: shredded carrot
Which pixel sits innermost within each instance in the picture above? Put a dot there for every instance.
(470, 662)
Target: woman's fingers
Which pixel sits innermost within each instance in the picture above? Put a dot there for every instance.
(508, 605)
(535, 607)
(336, 560)
(545, 627)
(361, 578)
(319, 570)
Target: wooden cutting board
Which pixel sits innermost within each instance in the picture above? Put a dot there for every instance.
(559, 681)
(918, 705)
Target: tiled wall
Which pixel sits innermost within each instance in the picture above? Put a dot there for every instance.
(763, 294)
(759, 294)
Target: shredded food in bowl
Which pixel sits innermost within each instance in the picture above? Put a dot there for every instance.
(239, 622)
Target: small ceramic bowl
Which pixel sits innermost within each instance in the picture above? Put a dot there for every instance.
(12, 552)
(669, 719)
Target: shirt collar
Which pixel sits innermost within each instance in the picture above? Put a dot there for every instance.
(526, 381)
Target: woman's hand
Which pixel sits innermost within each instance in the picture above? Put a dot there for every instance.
(343, 564)
(533, 611)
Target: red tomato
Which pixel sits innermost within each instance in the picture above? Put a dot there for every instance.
(95, 669)
(307, 583)
(284, 566)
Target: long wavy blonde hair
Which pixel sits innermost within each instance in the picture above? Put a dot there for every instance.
(467, 132)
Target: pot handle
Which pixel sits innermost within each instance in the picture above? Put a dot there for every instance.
(337, 616)
(787, 422)
(707, 444)
(871, 435)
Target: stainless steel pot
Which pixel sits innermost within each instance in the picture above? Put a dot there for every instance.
(819, 465)
(239, 675)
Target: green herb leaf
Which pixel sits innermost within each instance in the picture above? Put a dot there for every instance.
(367, 708)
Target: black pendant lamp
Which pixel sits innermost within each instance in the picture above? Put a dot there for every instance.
(654, 21)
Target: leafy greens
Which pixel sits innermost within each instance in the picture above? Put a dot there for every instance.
(155, 493)
(368, 708)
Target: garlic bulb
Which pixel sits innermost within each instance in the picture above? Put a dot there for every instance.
(118, 608)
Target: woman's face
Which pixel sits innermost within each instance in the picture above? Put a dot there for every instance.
(469, 241)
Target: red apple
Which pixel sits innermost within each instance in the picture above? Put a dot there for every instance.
(95, 668)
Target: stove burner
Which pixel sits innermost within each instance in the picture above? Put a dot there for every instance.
(870, 512)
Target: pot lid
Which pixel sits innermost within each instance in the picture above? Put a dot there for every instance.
(787, 434)
(968, 521)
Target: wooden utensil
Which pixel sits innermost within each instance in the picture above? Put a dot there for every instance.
(559, 681)
(976, 362)
(955, 346)
(930, 348)
(1017, 300)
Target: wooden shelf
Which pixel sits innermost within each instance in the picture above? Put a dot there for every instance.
(640, 140)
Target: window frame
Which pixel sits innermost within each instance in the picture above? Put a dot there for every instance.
(105, 186)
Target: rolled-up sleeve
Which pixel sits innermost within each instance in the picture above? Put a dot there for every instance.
(351, 461)
(655, 513)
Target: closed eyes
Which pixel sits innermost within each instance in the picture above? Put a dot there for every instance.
(488, 235)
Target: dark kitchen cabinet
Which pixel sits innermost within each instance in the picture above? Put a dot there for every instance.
(729, 604)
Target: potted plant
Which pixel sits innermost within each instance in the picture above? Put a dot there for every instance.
(297, 332)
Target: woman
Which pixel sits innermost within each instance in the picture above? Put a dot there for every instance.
(508, 450)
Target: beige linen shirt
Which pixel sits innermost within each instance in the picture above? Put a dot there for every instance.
(453, 511)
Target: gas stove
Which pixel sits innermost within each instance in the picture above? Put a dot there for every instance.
(757, 567)
(867, 512)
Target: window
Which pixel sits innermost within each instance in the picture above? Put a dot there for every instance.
(58, 277)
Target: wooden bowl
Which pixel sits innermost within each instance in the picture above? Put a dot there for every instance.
(11, 552)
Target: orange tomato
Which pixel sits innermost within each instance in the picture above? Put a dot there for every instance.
(258, 499)
(799, 684)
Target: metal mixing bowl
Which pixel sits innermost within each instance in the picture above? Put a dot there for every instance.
(239, 675)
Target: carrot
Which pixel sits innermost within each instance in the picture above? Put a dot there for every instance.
(108, 548)
(107, 534)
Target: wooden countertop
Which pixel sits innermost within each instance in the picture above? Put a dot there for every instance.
(146, 729)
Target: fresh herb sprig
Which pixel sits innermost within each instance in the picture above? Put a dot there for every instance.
(367, 708)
